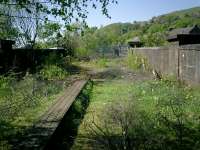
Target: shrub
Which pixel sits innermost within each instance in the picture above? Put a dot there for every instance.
(52, 72)
(136, 62)
(54, 59)
(82, 53)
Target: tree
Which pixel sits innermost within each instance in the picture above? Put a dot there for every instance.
(48, 35)
(28, 15)
(25, 22)
(68, 10)
(7, 29)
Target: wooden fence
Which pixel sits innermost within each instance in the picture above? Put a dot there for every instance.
(22, 59)
(182, 62)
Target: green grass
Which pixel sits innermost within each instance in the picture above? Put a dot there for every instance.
(103, 95)
(152, 109)
(99, 63)
(53, 72)
(136, 62)
(22, 102)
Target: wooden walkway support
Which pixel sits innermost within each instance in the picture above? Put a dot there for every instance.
(42, 131)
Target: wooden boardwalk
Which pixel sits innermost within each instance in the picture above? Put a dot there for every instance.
(42, 131)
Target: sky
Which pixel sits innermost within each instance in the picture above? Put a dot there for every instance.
(137, 10)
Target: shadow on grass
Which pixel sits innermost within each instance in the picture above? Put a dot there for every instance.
(31, 138)
(110, 73)
(125, 127)
(73, 69)
(63, 137)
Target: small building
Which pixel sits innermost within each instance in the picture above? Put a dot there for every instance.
(135, 42)
(184, 36)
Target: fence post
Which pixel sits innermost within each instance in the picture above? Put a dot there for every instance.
(178, 71)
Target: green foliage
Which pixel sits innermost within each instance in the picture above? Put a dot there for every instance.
(48, 35)
(99, 63)
(146, 115)
(135, 61)
(54, 67)
(82, 52)
(53, 72)
(152, 33)
(154, 39)
(49, 29)
(7, 29)
(67, 10)
(102, 62)
(24, 93)
(22, 103)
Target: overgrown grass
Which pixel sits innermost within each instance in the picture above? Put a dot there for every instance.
(99, 63)
(54, 68)
(149, 115)
(22, 102)
(24, 99)
(136, 62)
(53, 72)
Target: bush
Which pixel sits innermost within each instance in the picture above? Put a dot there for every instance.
(136, 62)
(82, 53)
(154, 39)
(54, 59)
(53, 72)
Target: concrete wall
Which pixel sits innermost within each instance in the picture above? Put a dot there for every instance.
(182, 62)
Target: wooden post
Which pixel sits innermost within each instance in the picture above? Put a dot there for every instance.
(178, 71)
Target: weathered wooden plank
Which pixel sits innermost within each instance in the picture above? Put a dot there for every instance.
(46, 126)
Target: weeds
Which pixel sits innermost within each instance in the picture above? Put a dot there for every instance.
(24, 99)
(156, 115)
(102, 62)
(53, 72)
(136, 62)
(22, 102)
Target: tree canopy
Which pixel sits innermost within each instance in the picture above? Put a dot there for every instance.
(67, 10)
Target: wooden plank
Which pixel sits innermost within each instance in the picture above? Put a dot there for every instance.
(46, 126)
